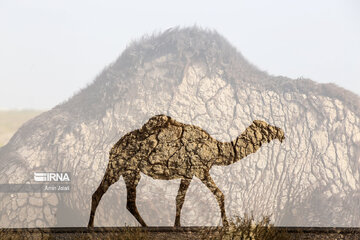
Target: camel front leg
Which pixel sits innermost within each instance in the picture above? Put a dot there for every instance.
(180, 198)
(209, 182)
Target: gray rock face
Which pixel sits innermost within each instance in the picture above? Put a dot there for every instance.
(198, 78)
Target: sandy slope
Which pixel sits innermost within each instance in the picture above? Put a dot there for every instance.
(11, 120)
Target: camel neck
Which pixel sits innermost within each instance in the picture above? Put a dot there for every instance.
(226, 154)
(247, 143)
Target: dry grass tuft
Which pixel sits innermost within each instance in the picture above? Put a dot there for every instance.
(247, 228)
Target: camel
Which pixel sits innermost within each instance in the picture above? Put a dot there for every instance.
(166, 149)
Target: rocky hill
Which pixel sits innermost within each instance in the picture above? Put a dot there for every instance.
(196, 77)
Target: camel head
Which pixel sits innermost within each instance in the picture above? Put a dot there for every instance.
(272, 132)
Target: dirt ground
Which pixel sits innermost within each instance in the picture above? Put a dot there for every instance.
(164, 233)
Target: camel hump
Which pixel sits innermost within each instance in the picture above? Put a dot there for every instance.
(260, 123)
(160, 117)
(156, 122)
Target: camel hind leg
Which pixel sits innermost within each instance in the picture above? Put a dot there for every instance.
(107, 181)
(131, 180)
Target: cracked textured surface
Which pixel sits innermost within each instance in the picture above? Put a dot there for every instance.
(166, 149)
(197, 78)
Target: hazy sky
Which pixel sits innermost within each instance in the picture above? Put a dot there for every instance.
(51, 49)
